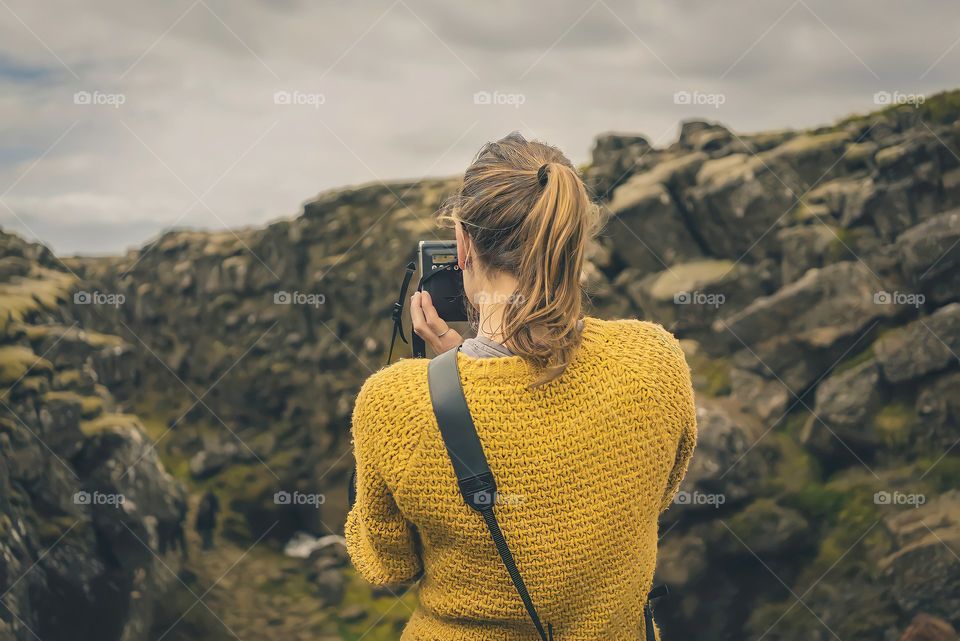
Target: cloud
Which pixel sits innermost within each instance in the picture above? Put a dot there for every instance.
(183, 125)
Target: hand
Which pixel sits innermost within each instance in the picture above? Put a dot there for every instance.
(428, 325)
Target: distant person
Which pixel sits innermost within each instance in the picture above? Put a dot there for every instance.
(588, 426)
(170, 534)
(206, 522)
(179, 538)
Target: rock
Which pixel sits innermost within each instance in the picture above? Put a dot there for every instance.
(926, 627)
(217, 455)
(689, 296)
(352, 613)
(330, 585)
(804, 248)
(800, 331)
(765, 398)
(845, 403)
(656, 233)
(763, 528)
(700, 135)
(938, 407)
(924, 568)
(930, 254)
(615, 158)
(923, 346)
(899, 204)
(681, 560)
(732, 460)
(740, 198)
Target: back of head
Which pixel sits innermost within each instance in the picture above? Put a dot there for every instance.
(527, 213)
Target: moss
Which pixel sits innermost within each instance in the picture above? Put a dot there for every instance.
(711, 376)
(941, 108)
(817, 502)
(16, 361)
(803, 212)
(67, 379)
(51, 528)
(840, 245)
(942, 473)
(385, 615)
(854, 361)
(793, 424)
(894, 423)
(796, 469)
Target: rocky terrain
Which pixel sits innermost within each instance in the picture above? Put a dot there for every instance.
(813, 276)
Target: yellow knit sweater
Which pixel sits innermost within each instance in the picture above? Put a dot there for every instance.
(584, 466)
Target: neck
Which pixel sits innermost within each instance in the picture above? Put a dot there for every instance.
(492, 302)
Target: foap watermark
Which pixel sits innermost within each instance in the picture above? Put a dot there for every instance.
(99, 99)
(714, 100)
(494, 298)
(699, 298)
(899, 498)
(299, 99)
(298, 298)
(497, 498)
(98, 298)
(898, 298)
(499, 98)
(98, 498)
(885, 98)
(699, 498)
(299, 498)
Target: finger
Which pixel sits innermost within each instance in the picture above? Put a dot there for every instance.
(420, 326)
(433, 319)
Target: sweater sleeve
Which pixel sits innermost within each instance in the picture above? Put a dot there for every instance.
(380, 541)
(683, 409)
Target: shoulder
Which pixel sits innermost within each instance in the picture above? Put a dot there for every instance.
(643, 347)
(635, 335)
(393, 383)
(389, 414)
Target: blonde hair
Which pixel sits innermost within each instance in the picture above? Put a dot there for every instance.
(527, 213)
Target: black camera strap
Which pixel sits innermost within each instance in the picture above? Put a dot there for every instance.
(475, 480)
(397, 314)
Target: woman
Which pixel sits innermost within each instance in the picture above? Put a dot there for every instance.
(588, 426)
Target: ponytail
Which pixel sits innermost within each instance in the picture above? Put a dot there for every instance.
(527, 212)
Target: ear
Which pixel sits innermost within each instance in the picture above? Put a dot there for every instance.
(463, 246)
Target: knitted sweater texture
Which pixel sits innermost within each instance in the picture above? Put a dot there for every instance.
(584, 466)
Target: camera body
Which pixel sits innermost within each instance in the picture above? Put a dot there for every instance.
(441, 277)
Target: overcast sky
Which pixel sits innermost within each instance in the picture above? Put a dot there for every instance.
(120, 119)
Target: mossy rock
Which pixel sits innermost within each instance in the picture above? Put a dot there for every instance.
(22, 297)
(894, 423)
(711, 376)
(110, 423)
(98, 340)
(16, 361)
(90, 406)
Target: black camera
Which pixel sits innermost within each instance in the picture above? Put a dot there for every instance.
(441, 277)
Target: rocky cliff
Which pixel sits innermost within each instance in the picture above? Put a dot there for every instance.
(812, 275)
(85, 505)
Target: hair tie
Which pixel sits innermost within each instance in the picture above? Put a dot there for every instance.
(542, 175)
